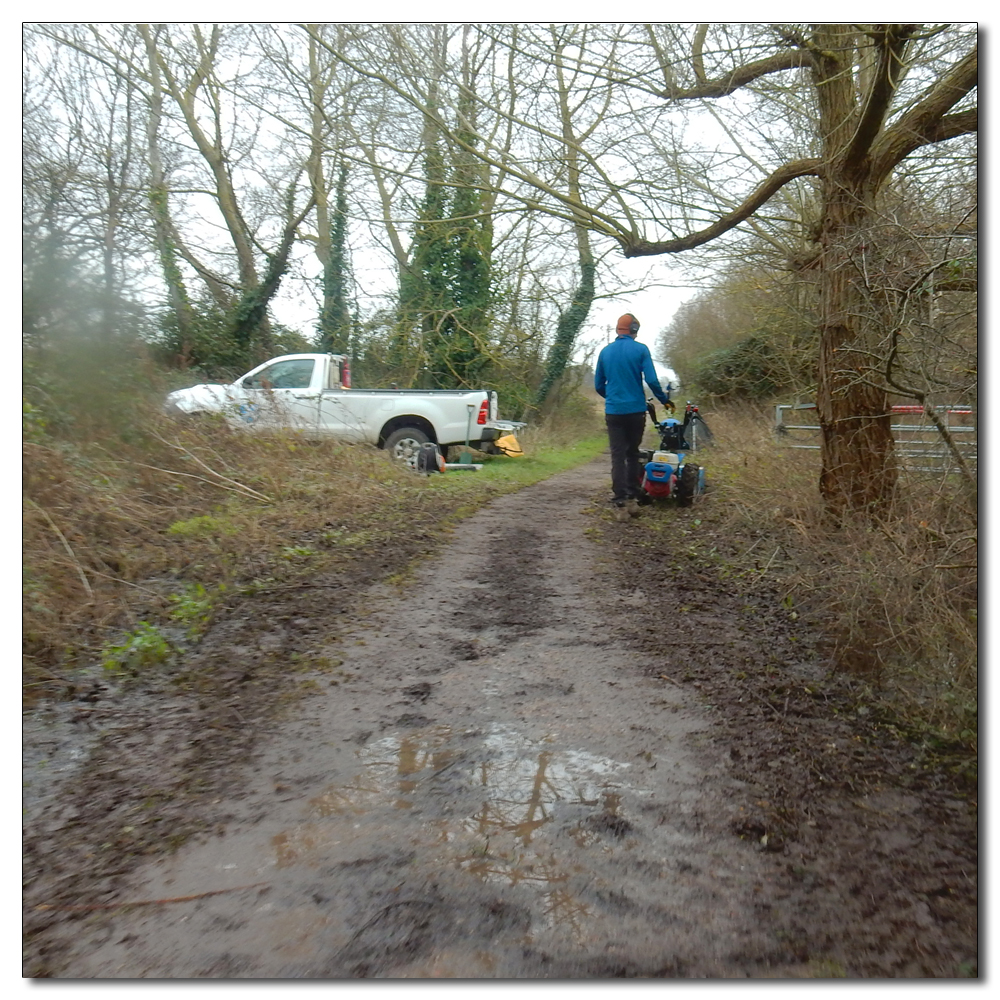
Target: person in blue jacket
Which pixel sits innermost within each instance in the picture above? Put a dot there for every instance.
(622, 367)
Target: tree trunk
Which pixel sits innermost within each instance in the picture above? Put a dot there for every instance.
(181, 310)
(858, 465)
(335, 318)
(575, 316)
(568, 327)
(318, 86)
(250, 313)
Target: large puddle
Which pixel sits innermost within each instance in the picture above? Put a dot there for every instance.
(500, 794)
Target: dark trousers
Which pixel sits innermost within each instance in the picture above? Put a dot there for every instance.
(625, 432)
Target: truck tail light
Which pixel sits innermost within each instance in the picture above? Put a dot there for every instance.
(345, 374)
(484, 412)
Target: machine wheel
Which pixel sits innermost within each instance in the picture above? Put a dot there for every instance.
(404, 444)
(689, 485)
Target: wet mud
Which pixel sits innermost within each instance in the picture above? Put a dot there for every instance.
(509, 775)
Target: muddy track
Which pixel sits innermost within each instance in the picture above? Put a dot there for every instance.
(511, 775)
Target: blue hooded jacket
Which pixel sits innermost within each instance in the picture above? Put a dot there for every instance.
(621, 368)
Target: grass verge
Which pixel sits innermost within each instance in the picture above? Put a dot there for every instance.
(136, 538)
(896, 597)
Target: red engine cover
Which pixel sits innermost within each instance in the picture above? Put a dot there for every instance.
(659, 487)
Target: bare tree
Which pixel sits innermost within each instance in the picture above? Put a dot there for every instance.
(573, 134)
(636, 140)
(194, 112)
(867, 125)
(82, 183)
(876, 94)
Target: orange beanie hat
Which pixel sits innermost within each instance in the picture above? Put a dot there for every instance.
(625, 323)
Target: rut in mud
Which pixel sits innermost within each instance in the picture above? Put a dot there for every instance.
(515, 772)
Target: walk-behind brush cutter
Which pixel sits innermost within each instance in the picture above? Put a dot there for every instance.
(667, 471)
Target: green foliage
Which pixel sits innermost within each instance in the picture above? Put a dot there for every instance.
(198, 527)
(446, 295)
(203, 344)
(145, 646)
(250, 312)
(209, 336)
(342, 538)
(747, 370)
(571, 409)
(193, 607)
(470, 280)
(33, 422)
(211, 353)
(568, 327)
(285, 340)
(77, 387)
(182, 316)
(58, 295)
(335, 325)
(751, 337)
(298, 552)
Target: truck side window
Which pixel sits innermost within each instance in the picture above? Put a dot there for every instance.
(283, 375)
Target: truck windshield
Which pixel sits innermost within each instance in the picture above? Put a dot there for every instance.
(295, 374)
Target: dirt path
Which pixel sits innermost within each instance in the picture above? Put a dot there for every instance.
(498, 785)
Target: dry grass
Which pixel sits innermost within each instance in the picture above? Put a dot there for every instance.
(130, 517)
(113, 530)
(125, 515)
(570, 413)
(897, 598)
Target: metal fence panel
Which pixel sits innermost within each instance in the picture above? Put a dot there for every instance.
(918, 441)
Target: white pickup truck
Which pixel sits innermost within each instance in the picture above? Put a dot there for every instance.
(311, 394)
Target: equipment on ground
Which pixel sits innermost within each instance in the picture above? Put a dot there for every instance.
(507, 444)
(688, 434)
(430, 459)
(667, 472)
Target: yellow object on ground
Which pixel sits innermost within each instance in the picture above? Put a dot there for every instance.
(508, 444)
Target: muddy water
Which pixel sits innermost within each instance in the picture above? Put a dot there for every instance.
(495, 790)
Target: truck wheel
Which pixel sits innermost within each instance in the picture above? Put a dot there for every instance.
(404, 444)
(689, 485)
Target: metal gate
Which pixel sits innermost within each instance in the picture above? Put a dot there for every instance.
(918, 441)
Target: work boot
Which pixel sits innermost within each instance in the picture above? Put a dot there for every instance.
(621, 512)
(632, 507)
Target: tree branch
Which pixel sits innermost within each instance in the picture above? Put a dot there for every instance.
(892, 42)
(764, 191)
(740, 76)
(928, 121)
(698, 53)
(574, 212)
(69, 550)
